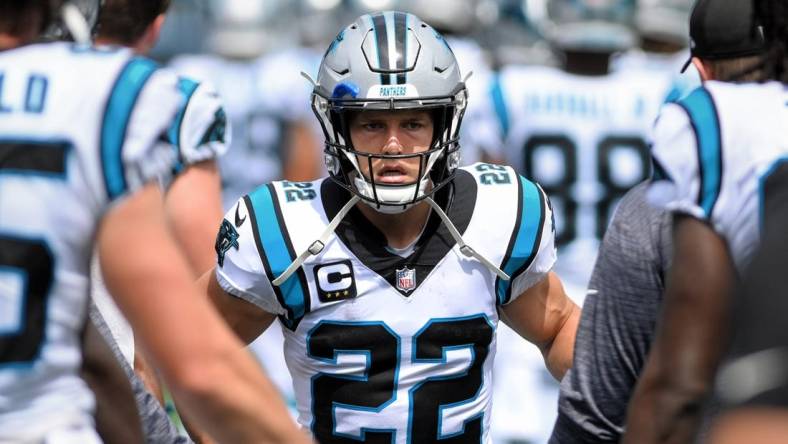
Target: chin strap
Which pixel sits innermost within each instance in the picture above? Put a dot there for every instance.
(318, 245)
(464, 248)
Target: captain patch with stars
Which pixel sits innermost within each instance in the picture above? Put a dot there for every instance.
(335, 281)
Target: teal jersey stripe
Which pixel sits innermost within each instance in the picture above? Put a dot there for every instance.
(277, 249)
(117, 115)
(526, 237)
(500, 104)
(699, 105)
(186, 87)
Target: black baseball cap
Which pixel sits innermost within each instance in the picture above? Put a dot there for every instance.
(723, 29)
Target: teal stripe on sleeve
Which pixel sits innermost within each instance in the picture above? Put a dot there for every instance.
(699, 105)
(277, 249)
(117, 115)
(526, 237)
(186, 87)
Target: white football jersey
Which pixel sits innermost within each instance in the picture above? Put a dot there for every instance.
(384, 347)
(79, 129)
(261, 97)
(721, 155)
(583, 139)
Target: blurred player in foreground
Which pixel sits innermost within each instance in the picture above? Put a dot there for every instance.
(193, 202)
(389, 317)
(628, 282)
(753, 384)
(719, 167)
(79, 128)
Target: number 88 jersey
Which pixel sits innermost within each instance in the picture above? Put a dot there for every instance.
(583, 138)
(385, 348)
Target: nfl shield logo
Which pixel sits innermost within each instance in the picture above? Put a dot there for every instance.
(406, 279)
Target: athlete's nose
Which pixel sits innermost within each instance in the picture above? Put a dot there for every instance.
(393, 145)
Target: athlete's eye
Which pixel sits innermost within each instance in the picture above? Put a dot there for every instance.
(372, 126)
(413, 124)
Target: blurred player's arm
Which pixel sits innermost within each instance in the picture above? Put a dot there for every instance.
(117, 418)
(244, 318)
(545, 316)
(690, 340)
(194, 210)
(217, 381)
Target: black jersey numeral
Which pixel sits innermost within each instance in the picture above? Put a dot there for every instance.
(562, 188)
(431, 396)
(26, 262)
(376, 388)
(372, 391)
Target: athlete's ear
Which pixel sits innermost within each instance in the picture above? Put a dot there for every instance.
(151, 35)
(703, 69)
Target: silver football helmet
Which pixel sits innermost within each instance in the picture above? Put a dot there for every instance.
(664, 20)
(589, 25)
(390, 61)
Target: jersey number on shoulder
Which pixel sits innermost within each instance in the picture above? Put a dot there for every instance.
(295, 191)
(27, 265)
(376, 387)
(493, 174)
(552, 160)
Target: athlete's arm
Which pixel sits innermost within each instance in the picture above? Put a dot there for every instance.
(217, 381)
(194, 210)
(246, 319)
(545, 316)
(690, 340)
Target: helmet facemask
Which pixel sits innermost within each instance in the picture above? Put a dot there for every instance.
(436, 165)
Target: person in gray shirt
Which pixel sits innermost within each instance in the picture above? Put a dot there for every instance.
(617, 323)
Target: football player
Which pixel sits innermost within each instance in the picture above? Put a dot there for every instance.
(628, 282)
(81, 161)
(389, 277)
(580, 130)
(719, 167)
(193, 201)
(266, 99)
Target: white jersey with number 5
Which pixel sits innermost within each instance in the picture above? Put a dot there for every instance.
(721, 155)
(385, 348)
(583, 138)
(79, 129)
